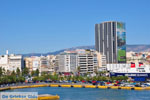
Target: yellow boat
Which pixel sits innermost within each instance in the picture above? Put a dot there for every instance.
(114, 87)
(103, 87)
(77, 86)
(54, 85)
(48, 97)
(126, 88)
(65, 85)
(90, 86)
(138, 88)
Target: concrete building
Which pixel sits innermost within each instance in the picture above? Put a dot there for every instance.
(4, 62)
(43, 63)
(32, 63)
(52, 62)
(110, 40)
(67, 62)
(86, 60)
(15, 61)
(138, 57)
(101, 60)
(11, 62)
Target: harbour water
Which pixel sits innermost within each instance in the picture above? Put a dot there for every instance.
(89, 93)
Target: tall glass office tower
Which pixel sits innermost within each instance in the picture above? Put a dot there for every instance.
(110, 40)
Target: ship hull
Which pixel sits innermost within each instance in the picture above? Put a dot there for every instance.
(132, 75)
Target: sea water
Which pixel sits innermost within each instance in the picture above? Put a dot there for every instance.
(89, 93)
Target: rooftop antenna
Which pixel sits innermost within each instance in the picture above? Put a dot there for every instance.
(6, 52)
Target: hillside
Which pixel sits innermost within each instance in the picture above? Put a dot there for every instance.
(135, 48)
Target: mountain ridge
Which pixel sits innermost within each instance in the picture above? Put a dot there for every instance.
(134, 48)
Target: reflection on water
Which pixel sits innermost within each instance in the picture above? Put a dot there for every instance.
(89, 94)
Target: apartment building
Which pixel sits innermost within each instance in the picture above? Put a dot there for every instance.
(67, 62)
(138, 57)
(11, 62)
(87, 62)
(32, 63)
(80, 60)
(43, 63)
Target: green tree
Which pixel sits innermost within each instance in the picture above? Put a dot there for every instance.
(4, 71)
(54, 77)
(37, 72)
(18, 72)
(119, 78)
(25, 72)
(78, 70)
(32, 73)
(13, 73)
(43, 73)
(96, 71)
(80, 78)
(41, 78)
(102, 73)
(35, 79)
(68, 78)
(94, 78)
(87, 78)
(21, 79)
(73, 78)
(1, 71)
(8, 72)
(104, 78)
(125, 78)
(13, 79)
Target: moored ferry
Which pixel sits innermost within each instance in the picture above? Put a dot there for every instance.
(138, 73)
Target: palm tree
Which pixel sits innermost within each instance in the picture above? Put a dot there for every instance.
(78, 70)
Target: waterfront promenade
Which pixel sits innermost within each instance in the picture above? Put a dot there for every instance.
(47, 88)
(69, 85)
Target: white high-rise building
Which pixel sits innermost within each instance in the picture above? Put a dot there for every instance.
(11, 62)
(86, 60)
(67, 62)
(110, 40)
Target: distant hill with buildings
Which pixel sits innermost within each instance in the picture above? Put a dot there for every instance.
(135, 48)
(138, 48)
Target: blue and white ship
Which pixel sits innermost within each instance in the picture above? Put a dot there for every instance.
(138, 73)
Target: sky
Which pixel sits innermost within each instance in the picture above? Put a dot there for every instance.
(40, 26)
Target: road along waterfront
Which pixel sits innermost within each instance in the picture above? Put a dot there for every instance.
(69, 85)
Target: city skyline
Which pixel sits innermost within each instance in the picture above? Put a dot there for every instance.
(74, 49)
(33, 27)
